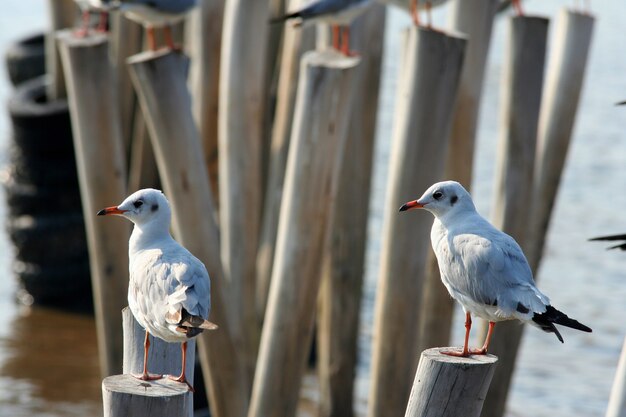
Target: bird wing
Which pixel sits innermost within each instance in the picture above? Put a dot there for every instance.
(489, 267)
(167, 6)
(324, 7)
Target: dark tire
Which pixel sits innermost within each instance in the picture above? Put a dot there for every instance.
(43, 170)
(49, 240)
(25, 59)
(39, 126)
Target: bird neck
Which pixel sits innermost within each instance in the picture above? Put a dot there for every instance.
(457, 216)
(147, 236)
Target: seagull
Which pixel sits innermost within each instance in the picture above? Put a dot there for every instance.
(169, 288)
(483, 268)
(413, 7)
(621, 246)
(102, 7)
(337, 13)
(153, 14)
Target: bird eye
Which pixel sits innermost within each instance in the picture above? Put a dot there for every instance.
(138, 203)
(437, 195)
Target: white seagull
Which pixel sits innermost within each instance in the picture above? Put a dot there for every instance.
(153, 14)
(102, 7)
(169, 288)
(483, 268)
(337, 13)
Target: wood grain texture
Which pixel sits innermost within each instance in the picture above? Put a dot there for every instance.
(101, 164)
(427, 90)
(124, 395)
(160, 81)
(318, 137)
(447, 386)
(63, 14)
(617, 399)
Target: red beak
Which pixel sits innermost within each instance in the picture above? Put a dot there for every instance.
(411, 205)
(110, 210)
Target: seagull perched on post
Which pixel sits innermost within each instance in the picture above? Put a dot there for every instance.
(337, 13)
(483, 268)
(153, 14)
(102, 7)
(169, 288)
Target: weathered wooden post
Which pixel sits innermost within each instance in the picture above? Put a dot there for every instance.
(427, 89)
(102, 178)
(204, 36)
(63, 15)
(564, 77)
(125, 395)
(475, 19)
(446, 386)
(163, 358)
(295, 42)
(344, 255)
(242, 97)
(617, 399)
(318, 136)
(160, 81)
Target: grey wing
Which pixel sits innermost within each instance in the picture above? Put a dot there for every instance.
(502, 275)
(169, 6)
(324, 7)
(190, 288)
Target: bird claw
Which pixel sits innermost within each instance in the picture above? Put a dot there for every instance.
(481, 351)
(456, 353)
(182, 380)
(147, 376)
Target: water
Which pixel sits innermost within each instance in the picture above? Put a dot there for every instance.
(48, 365)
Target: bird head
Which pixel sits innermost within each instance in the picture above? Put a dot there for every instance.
(441, 199)
(142, 207)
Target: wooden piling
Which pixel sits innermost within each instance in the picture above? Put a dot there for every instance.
(125, 395)
(62, 15)
(447, 386)
(318, 136)
(344, 255)
(564, 77)
(163, 358)
(101, 167)
(617, 399)
(204, 36)
(427, 89)
(295, 42)
(475, 19)
(242, 104)
(160, 81)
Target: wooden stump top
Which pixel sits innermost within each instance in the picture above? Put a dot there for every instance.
(129, 385)
(434, 354)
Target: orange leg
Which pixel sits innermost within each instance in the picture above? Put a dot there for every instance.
(182, 378)
(345, 42)
(84, 27)
(415, 13)
(151, 38)
(483, 350)
(336, 35)
(517, 5)
(169, 39)
(145, 376)
(465, 352)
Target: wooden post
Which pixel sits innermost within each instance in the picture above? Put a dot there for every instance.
(427, 89)
(242, 97)
(558, 109)
(319, 132)
(295, 42)
(125, 395)
(160, 81)
(475, 19)
(344, 257)
(204, 34)
(102, 178)
(63, 15)
(521, 98)
(564, 79)
(617, 399)
(127, 40)
(446, 386)
(163, 358)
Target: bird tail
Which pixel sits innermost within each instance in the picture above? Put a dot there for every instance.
(282, 19)
(547, 320)
(621, 246)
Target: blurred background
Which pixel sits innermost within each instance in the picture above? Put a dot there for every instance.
(48, 358)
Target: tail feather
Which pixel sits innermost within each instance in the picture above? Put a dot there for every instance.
(621, 246)
(552, 316)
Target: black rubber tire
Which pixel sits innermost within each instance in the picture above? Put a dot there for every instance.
(49, 240)
(43, 170)
(39, 126)
(66, 285)
(25, 59)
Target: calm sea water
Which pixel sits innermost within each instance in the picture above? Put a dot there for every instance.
(47, 359)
